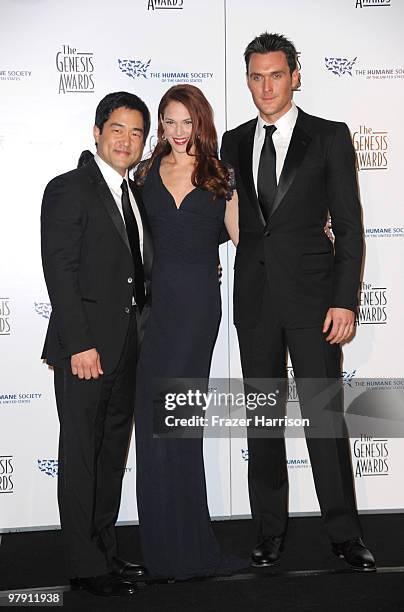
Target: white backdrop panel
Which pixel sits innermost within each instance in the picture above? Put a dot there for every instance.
(67, 58)
(368, 98)
(43, 128)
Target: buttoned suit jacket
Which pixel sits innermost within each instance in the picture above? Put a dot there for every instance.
(88, 267)
(305, 272)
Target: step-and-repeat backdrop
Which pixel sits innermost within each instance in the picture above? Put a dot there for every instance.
(57, 60)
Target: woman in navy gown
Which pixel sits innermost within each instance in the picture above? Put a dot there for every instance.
(188, 194)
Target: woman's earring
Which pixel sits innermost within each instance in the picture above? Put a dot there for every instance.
(163, 137)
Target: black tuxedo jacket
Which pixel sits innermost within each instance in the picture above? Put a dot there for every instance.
(305, 272)
(88, 266)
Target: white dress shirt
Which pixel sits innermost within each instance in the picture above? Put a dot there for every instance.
(281, 139)
(114, 181)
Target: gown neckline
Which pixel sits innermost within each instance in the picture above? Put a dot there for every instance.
(169, 192)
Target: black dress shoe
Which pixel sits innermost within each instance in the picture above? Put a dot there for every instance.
(355, 554)
(126, 569)
(267, 552)
(106, 585)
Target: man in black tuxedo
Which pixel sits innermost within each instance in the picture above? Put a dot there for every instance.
(96, 253)
(292, 288)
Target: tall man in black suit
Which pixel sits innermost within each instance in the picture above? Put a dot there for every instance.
(96, 253)
(293, 289)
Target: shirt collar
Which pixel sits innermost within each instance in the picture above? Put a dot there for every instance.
(284, 125)
(111, 176)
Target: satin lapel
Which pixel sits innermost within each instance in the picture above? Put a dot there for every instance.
(108, 201)
(245, 153)
(147, 237)
(297, 150)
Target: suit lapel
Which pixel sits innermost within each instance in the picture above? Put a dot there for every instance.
(296, 152)
(108, 201)
(245, 153)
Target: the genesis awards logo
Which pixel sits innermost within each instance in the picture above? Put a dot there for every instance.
(137, 68)
(341, 67)
(299, 67)
(6, 474)
(244, 454)
(153, 5)
(5, 328)
(373, 305)
(76, 70)
(371, 148)
(44, 309)
(48, 466)
(292, 390)
(368, 3)
(370, 457)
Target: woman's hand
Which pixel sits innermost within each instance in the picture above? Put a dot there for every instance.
(231, 218)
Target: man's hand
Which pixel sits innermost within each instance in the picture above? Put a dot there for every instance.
(342, 323)
(86, 364)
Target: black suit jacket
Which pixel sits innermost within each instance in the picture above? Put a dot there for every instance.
(88, 266)
(306, 273)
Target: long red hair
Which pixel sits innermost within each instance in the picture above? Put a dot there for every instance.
(209, 173)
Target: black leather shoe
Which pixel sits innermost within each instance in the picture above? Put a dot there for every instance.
(267, 552)
(355, 554)
(106, 585)
(126, 569)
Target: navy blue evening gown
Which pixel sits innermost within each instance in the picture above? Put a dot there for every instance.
(176, 534)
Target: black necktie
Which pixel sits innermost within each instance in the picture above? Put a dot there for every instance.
(266, 179)
(133, 236)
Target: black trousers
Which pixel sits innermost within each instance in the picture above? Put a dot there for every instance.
(96, 419)
(263, 355)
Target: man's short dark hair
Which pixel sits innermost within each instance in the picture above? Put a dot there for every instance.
(121, 99)
(266, 43)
